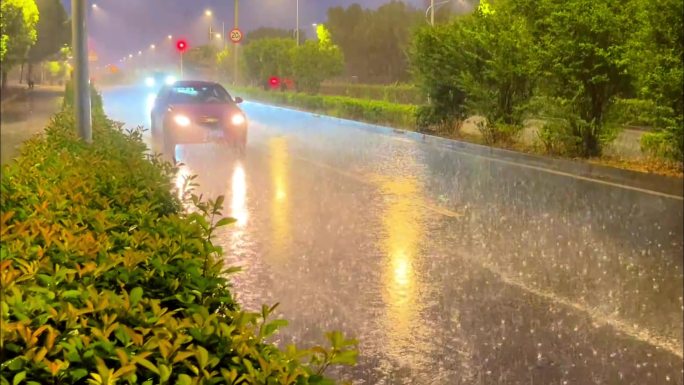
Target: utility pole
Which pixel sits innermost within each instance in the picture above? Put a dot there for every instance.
(236, 47)
(432, 13)
(80, 76)
(297, 33)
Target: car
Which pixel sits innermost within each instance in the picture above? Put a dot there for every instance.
(159, 79)
(197, 112)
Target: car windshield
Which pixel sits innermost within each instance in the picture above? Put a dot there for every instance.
(188, 94)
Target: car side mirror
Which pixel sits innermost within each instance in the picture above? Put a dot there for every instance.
(238, 100)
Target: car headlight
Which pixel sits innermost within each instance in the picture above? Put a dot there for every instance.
(181, 120)
(237, 119)
(149, 81)
(170, 80)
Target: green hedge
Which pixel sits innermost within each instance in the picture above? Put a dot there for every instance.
(392, 93)
(371, 111)
(106, 279)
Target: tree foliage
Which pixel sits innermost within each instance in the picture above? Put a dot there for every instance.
(268, 57)
(570, 62)
(53, 30)
(17, 30)
(374, 42)
(315, 61)
(269, 33)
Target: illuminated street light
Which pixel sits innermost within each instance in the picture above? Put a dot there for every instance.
(94, 6)
(139, 53)
(170, 37)
(152, 46)
(130, 56)
(208, 12)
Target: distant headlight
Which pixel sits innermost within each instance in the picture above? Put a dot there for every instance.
(149, 81)
(181, 120)
(170, 80)
(237, 119)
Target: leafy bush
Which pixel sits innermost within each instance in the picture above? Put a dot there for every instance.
(372, 111)
(498, 132)
(96, 104)
(106, 279)
(392, 93)
(667, 139)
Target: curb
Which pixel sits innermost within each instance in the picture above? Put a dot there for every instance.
(670, 187)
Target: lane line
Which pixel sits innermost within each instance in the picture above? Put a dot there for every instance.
(641, 334)
(551, 171)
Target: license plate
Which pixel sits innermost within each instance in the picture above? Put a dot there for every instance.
(214, 135)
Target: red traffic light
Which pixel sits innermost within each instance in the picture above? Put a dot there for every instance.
(274, 82)
(181, 45)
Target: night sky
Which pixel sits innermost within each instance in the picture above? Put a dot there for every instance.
(120, 27)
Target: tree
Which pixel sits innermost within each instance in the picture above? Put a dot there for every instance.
(315, 61)
(268, 57)
(582, 46)
(374, 42)
(17, 32)
(53, 32)
(270, 33)
(201, 60)
(501, 71)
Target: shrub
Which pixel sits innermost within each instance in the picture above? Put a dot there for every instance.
(498, 132)
(392, 93)
(667, 139)
(106, 279)
(371, 111)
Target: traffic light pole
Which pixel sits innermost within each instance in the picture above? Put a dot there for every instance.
(181, 65)
(80, 75)
(236, 47)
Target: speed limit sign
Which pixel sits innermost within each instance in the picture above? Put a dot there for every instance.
(235, 35)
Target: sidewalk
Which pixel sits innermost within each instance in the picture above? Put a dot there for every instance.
(24, 114)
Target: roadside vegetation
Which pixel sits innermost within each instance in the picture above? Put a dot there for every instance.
(110, 274)
(521, 67)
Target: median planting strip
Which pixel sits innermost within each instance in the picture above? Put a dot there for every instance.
(106, 277)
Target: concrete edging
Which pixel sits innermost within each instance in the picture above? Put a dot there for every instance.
(638, 180)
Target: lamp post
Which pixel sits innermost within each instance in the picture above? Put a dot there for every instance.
(297, 33)
(236, 46)
(208, 13)
(81, 78)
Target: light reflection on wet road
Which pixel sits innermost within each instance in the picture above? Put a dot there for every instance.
(449, 268)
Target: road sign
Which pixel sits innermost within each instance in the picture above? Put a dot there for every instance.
(235, 35)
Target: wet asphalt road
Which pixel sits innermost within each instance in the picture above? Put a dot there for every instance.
(449, 268)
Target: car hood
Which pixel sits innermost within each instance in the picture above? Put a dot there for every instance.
(213, 110)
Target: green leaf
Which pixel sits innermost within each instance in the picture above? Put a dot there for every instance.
(347, 357)
(71, 294)
(77, 374)
(136, 295)
(18, 378)
(184, 379)
(225, 221)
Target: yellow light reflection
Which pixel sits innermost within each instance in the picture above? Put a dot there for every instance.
(280, 206)
(402, 223)
(181, 180)
(238, 201)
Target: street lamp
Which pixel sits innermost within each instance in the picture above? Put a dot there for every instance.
(94, 6)
(170, 37)
(208, 13)
(152, 46)
(139, 53)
